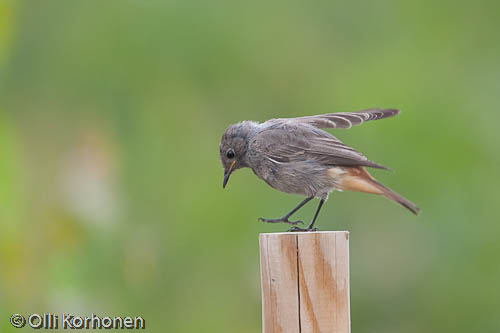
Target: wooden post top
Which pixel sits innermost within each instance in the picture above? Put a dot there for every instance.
(305, 281)
(305, 232)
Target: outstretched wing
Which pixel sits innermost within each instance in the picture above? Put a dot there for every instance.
(346, 119)
(288, 142)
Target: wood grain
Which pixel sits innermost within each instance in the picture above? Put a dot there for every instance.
(305, 282)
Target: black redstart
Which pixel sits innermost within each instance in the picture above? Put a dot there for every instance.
(294, 155)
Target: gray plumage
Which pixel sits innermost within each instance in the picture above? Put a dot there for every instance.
(294, 155)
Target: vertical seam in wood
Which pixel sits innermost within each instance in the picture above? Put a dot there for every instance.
(298, 280)
(271, 305)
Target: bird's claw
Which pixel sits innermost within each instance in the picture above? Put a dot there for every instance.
(297, 229)
(281, 220)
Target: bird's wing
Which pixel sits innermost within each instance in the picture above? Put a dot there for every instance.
(346, 119)
(288, 142)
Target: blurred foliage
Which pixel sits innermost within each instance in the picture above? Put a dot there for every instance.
(110, 182)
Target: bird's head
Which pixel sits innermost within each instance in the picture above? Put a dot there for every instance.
(233, 147)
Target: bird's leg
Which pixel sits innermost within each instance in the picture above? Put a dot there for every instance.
(310, 227)
(284, 219)
(321, 202)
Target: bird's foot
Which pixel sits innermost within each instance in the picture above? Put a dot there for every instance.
(281, 220)
(297, 229)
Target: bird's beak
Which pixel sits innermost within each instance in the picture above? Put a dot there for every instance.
(227, 173)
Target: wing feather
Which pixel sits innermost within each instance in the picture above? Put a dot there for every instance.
(288, 142)
(346, 119)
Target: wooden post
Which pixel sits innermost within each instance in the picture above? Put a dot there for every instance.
(305, 282)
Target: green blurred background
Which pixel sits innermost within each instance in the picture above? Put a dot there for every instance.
(111, 114)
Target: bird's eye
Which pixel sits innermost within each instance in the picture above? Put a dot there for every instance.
(230, 154)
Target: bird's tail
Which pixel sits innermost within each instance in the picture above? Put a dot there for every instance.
(391, 195)
(359, 180)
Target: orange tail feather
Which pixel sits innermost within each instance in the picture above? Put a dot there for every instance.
(359, 180)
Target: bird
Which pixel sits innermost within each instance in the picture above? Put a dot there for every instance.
(296, 155)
